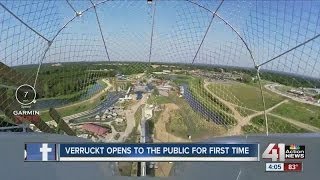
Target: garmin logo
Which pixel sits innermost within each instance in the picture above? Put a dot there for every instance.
(24, 113)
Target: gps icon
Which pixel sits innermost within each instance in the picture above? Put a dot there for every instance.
(26, 94)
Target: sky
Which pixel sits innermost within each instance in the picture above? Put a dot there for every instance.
(268, 27)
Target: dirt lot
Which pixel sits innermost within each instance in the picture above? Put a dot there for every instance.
(161, 133)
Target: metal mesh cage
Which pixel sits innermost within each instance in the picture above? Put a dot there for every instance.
(239, 67)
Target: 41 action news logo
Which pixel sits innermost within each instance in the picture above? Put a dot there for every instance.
(281, 152)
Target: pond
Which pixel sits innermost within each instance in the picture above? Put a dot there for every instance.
(43, 104)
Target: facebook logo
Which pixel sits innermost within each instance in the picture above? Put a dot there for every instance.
(40, 152)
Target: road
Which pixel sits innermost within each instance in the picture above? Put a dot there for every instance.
(272, 87)
(144, 135)
(111, 99)
(143, 165)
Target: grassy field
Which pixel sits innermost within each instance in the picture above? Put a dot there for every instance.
(74, 97)
(305, 113)
(68, 97)
(159, 99)
(276, 125)
(156, 116)
(119, 127)
(187, 122)
(117, 136)
(125, 104)
(69, 110)
(244, 112)
(177, 125)
(283, 88)
(250, 129)
(196, 87)
(247, 95)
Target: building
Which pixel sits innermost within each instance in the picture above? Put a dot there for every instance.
(165, 87)
(83, 136)
(311, 91)
(127, 97)
(120, 77)
(56, 65)
(139, 95)
(140, 88)
(293, 91)
(95, 129)
(118, 120)
(166, 71)
(103, 117)
(181, 90)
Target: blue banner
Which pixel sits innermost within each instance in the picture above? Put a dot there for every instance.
(40, 152)
(159, 152)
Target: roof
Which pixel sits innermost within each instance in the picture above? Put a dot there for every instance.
(23, 118)
(119, 119)
(96, 129)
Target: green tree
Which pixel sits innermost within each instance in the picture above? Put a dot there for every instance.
(317, 96)
(246, 78)
(155, 91)
(151, 126)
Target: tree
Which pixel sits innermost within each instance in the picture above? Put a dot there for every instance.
(128, 84)
(246, 78)
(151, 126)
(155, 91)
(317, 96)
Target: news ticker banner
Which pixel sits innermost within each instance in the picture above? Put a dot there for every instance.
(141, 152)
